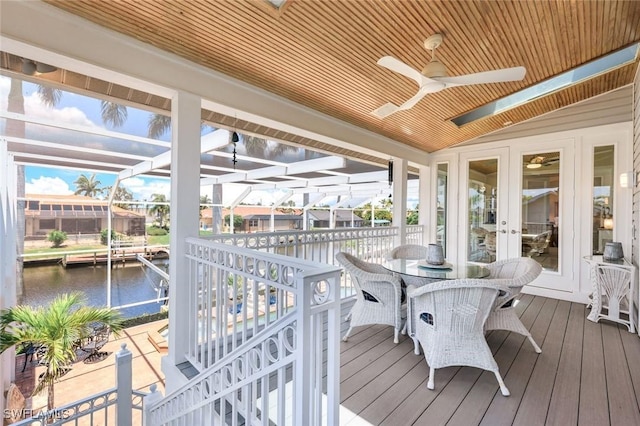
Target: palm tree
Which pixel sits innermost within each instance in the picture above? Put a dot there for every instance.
(57, 327)
(159, 210)
(122, 194)
(113, 113)
(88, 186)
(158, 125)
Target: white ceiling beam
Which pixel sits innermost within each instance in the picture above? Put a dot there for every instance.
(241, 197)
(328, 180)
(381, 176)
(99, 131)
(266, 172)
(313, 200)
(73, 148)
(208, 142)
(323, 163)
(284, 198)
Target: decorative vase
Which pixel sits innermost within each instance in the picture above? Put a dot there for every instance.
(613, 251)
(435, 254)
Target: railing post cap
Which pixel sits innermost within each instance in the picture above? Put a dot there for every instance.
(153, 388)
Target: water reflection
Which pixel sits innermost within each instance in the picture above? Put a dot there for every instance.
(130, 283)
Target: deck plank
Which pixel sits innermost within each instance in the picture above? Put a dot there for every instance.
(568, 384)
(503, 410)
(594, 405)
(623, 405)
(535, 401)
(565, 398)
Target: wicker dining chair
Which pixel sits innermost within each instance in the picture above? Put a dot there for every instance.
(447, 319)
(517, 273)
(378, 295)
(408, 251)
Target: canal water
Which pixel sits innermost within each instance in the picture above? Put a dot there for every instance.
(130, 283)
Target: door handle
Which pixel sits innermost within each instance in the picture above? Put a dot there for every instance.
(513, 231)
(504, 231)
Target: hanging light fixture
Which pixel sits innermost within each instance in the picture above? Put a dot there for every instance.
(235, 138)
(390, 177)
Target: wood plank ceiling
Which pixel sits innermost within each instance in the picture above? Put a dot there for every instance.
(322, 54)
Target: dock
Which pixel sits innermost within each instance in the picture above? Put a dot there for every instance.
(118, 255)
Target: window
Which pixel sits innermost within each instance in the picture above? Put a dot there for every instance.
(253, 222)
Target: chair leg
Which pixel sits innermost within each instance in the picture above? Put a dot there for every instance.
(503, 388)
(346, 336)
(404, 328)
(535, 345)
(348, 317)
(396, 334)
(430, 382)
(416, 347)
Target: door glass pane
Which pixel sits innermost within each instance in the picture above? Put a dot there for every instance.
(603, 180)
(441, 209)
(540, 208)
(482, 208)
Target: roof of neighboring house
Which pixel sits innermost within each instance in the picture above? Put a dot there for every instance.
(276, 217)
(76, 206)
(247, 211)
(341, 215)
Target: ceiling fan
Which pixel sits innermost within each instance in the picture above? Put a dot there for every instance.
(540, 160)
(433, 77)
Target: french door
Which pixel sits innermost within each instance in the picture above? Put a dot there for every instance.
(517, 201)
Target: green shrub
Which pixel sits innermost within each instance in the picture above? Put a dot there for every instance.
(57, 238)
(104, 236)
(156, 231)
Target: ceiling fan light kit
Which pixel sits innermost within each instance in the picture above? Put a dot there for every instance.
(30, 67)
(434, 77)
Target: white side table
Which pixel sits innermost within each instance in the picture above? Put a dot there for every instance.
(598, 303)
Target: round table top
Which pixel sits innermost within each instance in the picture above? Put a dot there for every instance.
(420, 268)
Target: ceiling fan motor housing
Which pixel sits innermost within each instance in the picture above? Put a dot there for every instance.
(435, 68)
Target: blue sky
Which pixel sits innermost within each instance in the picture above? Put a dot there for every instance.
(85, 111)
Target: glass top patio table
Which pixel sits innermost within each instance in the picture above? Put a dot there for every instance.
(419, 268)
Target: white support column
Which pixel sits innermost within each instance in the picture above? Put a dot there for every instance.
(8, 260)
(400, 199)
(185, 200)
(332, 217)
(424, 217)
(124, 390)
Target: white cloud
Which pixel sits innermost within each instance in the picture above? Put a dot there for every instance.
(143, 189)
(48, 185)
(33, 107)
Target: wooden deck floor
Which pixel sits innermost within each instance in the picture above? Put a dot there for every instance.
(587, 374)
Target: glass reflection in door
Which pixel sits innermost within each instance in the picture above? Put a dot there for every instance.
(441, 207)
(482, 210)
(603, 179)
(540, 208)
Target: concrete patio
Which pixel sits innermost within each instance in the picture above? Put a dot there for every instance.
(89, 378)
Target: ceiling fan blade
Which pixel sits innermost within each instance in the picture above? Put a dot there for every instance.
(496, 76)
(389, 108)
(400, 67)
(413, 100)
(385, 110)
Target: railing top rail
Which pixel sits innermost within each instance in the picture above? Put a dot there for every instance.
(301, 264)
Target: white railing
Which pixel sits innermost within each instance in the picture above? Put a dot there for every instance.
(118, 405)
(271, 361)
(414, 234)
(370, 244)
